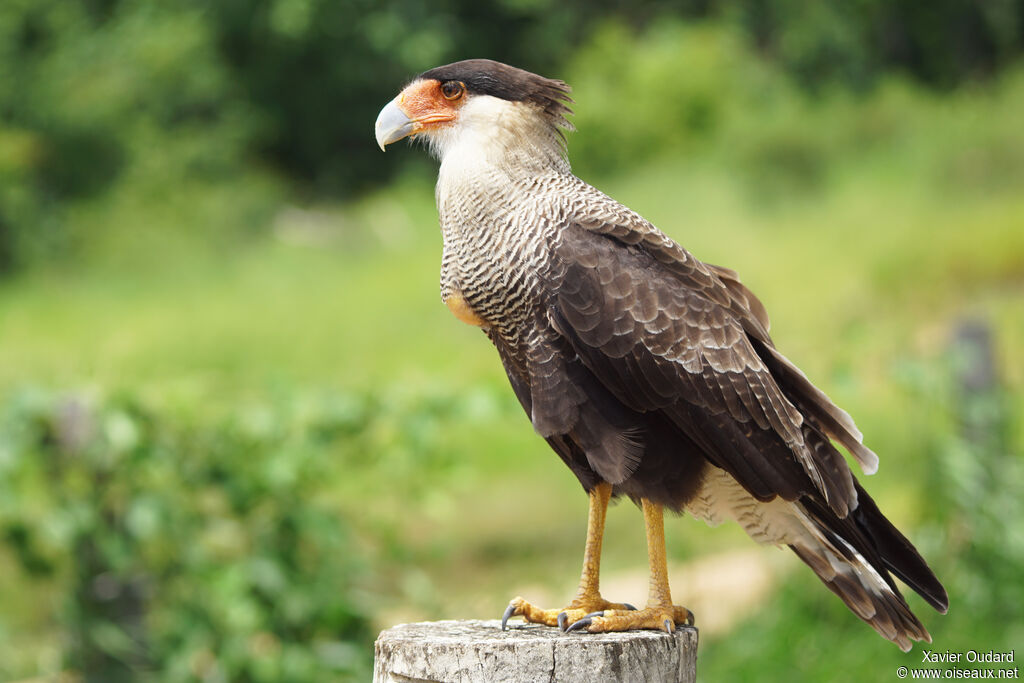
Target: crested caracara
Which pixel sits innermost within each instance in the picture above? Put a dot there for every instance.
(650, 373)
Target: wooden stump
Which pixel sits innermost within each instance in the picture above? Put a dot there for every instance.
(462, 651)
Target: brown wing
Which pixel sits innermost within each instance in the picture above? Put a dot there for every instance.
(598, 214)
(663, 332)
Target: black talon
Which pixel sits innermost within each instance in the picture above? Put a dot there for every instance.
(594, 614)
(581, 624)
(509, 611)
(629, 606)
(563, 620)
(690, 618)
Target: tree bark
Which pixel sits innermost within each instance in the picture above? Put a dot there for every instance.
(462, 651)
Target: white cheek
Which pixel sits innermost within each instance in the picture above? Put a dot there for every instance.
(480, 129)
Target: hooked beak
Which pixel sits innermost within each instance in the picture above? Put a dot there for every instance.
(393, 124)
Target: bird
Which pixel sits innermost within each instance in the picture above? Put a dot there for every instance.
(650, 373)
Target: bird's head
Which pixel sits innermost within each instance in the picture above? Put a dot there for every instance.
(479, 100)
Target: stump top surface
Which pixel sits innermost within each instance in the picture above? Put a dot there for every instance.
(476, 650)
(489, 630)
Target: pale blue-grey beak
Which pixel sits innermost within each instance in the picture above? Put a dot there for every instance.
(392, 124)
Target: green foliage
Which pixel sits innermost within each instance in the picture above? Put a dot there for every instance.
(199, 551)
(142, 100)
(129, 100)
(698, 92)
(125, 98)
(320, 70)
(675, 89)
(981, 479)
(943, 42)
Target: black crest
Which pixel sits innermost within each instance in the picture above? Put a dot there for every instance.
(487, 77)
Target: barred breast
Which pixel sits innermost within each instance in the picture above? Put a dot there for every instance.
(498, 236)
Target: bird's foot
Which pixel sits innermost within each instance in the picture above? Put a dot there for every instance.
(563, 618)
(658, 618)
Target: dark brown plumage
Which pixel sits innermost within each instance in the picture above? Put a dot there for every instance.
(650, 373)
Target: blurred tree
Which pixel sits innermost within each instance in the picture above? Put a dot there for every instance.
(96, 91)
(320, 70)
(941, 43)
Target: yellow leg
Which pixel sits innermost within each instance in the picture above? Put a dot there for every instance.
(660, 613)
(590, 577)
(658, 592)
(588, 597)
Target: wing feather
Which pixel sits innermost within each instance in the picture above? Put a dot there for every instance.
(660, 330)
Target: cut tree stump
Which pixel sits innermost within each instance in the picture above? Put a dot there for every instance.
(461, 651)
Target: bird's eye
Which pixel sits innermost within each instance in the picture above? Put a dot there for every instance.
(452, 90)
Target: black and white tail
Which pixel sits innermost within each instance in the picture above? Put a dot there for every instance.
(852, 556)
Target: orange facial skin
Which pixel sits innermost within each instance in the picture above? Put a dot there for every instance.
(425, 103)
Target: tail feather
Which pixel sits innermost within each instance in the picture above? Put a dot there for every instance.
(866, 593)
(852, 556)
(898, 554)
